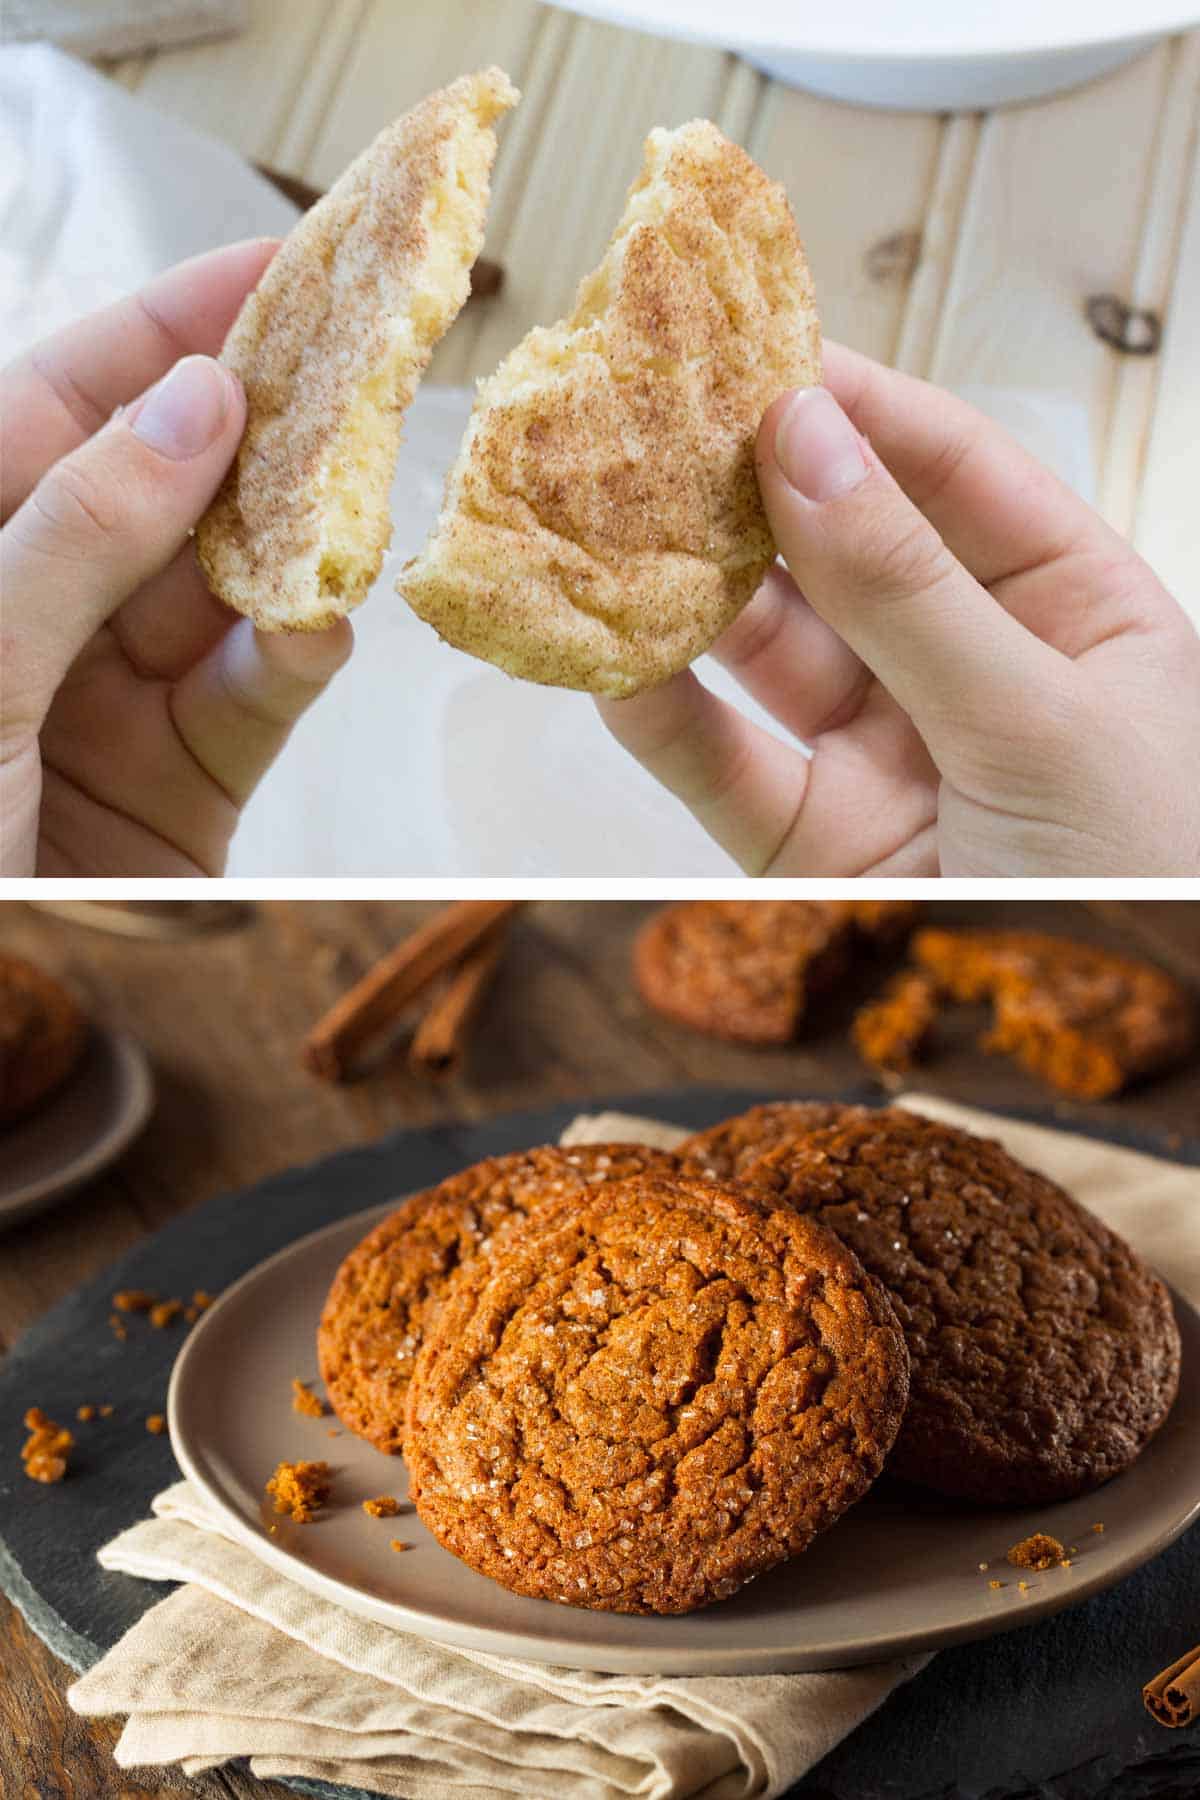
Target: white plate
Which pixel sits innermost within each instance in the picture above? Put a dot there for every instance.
(79, 1130)
(934, 55)
(897, 1574)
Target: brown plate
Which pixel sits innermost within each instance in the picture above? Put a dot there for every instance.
(898, 1574)
(79, 1129)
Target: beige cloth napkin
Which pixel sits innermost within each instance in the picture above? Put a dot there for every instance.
(239, 1661)
(120, 27)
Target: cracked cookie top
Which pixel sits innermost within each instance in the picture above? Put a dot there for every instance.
(1045, 1353)
(602, 523)
(390, 1286)
(648, 1400)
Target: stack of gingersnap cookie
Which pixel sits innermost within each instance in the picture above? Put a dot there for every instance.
(633, 1379)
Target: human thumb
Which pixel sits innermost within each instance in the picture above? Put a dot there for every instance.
(103, 520)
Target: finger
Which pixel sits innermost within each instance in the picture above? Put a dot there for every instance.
(107, 518)
(795, 665)
(996, 507)
(172, 620)
(62, 390)
(971, 678)
(235, 709)
(742, 785)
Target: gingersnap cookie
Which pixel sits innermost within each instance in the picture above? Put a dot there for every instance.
(894, 1030)
(602, 524)
(746, 969)
(646, 1401)
(388, 1290)
(42, 1034)
(1087, 1020)
(330, 348)
(1045, 1353)
(720, 1152)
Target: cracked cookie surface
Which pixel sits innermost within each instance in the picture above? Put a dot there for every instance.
(645, 1402)
(1045, 1352)
(746, 969)
(389, 1287)
(603, 523)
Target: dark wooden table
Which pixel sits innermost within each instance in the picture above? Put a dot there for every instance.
(222, 1017)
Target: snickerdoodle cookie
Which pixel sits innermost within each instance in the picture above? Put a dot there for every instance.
(330, 347)
(602, 524)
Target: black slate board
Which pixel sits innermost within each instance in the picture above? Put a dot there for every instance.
(1054, 1710)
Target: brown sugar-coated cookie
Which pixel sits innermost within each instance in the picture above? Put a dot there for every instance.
(721, 1151)
(1085, 1019)
(390, 1286)
(745, 969)
(646, 1402)
(1045, 1353)
(42, 1033)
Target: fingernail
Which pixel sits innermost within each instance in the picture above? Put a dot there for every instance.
(817, 448)
(184, 414)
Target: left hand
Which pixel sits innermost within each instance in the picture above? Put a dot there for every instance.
(137, 713)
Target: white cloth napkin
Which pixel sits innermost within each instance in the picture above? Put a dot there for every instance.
(240, 1661)
(120, 27)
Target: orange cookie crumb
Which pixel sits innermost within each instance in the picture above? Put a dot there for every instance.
(130, 1300)
(399, 1544)
(300, 1489)
(384, 1506)
(305, 1401)
(165, 1312)
(117, 1328)
(156, 1424)
(45, 1451)
(202, 1299)
(85, 1413)
(106, 1411)
(1040, 1551)
(995, 1584)
(1099, 1530)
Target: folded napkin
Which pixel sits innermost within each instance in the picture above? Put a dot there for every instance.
(240, 1661)
(120, 27)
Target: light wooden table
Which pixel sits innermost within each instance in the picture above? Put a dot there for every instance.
(961, 248)
(222, 1018)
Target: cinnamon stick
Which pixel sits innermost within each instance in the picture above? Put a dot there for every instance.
(376, 1001)
(440, 1040)
(1173, 1697)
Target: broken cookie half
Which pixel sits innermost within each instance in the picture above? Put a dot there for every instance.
(602, 524)
(330, 347)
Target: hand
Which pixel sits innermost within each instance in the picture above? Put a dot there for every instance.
(136, 712)
(990, 680)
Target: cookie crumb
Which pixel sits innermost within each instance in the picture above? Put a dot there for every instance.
(995, 1584)
(165, 1313)
(131, 1300)
(300, 1489)
(1099, 1530)
(106, 1410)
(305, 1401)
(156, 1424)
(1038, 1551)
(332, 1432)
(117, 1327)
(399, 1544)
(1065, 1563)
(85, 1414)
(1024, 1586)
(45, 1451)
(202, 1299)
(384, 1506)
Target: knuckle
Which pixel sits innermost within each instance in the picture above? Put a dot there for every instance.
(75, 504)
(901, 558)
